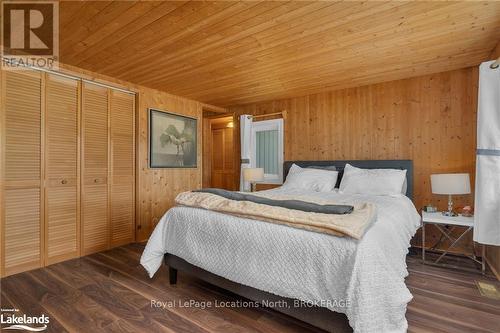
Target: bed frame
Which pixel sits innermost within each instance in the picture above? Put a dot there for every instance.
(317, 316)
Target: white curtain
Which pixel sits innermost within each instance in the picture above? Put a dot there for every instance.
(246, 147)
(487, 200)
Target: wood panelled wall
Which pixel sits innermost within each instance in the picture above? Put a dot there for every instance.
(430, 119)
(157, 188)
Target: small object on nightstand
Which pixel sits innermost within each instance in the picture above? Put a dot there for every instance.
(450, 184)
(467, 211)
(430, 209)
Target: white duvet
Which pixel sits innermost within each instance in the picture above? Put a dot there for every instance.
(363, 279)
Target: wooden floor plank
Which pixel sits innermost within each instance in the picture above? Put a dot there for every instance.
(111, 292)
(76, 310)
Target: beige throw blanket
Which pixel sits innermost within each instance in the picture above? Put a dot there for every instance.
(353, 224)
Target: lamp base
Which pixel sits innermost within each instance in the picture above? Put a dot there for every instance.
(450, 211)
(449, 214)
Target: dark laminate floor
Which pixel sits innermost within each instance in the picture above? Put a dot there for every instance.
(110, 292)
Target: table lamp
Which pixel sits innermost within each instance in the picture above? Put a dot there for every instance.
(450, 184)
(253, 175)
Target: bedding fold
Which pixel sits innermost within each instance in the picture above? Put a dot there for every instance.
(314, 214)
(301, 205)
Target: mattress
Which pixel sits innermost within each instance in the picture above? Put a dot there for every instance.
(363, 279)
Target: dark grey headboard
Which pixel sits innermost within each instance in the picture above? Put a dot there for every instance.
(366, 164)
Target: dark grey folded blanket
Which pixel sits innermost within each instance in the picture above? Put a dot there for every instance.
(290, 204)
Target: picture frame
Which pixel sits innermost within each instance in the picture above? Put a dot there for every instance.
(172, 140)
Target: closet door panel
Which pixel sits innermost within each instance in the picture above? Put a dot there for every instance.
(122, 168)
(22, 230)
(95, 131)
(95, 226)
(22, 131)
(61, 132)
(95, 218)
(22, 126)
(62, 233)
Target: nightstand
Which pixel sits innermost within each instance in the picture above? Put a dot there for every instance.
(441, 222)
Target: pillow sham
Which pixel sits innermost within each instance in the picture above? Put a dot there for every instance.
(373, 181)
(311, 179)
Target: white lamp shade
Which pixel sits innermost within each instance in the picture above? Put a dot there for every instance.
(253, 174)
(450, 183)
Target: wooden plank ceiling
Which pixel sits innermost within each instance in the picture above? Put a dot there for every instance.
(226, 53)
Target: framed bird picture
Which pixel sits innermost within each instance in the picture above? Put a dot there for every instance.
(172, 140)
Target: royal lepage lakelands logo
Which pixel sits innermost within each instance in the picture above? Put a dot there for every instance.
(30, 34)
(10, 319)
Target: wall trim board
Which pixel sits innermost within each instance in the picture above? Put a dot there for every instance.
(213, 108)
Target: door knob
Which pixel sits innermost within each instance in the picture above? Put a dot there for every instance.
(64, 181)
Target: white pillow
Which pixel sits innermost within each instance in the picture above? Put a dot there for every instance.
(373, 181)
(294, 169)
(311, 179)
(405, 186)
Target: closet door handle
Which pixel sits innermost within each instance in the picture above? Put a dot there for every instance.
(96, 180)
(64, 181)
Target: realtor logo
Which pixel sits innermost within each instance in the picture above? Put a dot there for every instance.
(10, 319)
(30, 34)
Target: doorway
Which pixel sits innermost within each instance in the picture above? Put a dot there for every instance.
(222, 153)
(219, 152)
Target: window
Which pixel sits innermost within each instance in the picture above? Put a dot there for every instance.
(267, 149)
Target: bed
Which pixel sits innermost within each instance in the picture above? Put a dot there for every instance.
(339, 284)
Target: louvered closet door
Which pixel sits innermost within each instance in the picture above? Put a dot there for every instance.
(122, 168)
(61, 168)
(22, 195)
(94, 202)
